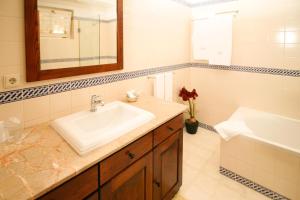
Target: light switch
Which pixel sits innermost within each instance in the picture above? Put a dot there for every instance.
(11, 80)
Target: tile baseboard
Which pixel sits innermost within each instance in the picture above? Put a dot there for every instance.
(252, 185)
(242, 180)
(207, 127)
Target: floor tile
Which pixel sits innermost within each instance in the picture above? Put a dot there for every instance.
(201, 177)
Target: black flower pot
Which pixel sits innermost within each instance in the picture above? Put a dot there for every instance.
(191, 127)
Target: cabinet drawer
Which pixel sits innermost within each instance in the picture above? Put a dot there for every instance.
(123, 158)
(77, 188)
(166, 130)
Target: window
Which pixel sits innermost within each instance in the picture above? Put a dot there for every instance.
(55, 22)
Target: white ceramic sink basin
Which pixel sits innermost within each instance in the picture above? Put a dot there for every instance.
(86, 131)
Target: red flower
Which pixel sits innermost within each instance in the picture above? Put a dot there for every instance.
(186, 95)
(194, 94)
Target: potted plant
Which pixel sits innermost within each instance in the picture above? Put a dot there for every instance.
(191, 124)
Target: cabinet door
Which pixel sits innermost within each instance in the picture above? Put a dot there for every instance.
(168, 167)
(94, 196)
(134, 183)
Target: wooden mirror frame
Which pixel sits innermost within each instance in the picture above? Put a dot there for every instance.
(32, 48)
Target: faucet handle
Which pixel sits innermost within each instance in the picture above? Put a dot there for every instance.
(94, 101)
(95, 97)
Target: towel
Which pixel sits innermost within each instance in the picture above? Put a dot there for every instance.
(212, 40)
(221, 42)
(169, 86)
(231, 128)
(201, 39)
(159, 86)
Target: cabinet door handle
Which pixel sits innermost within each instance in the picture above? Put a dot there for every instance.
(131, 155)
(170, 128)
(156, 183)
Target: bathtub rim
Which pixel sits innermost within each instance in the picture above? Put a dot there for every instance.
(239, 112)
(240, 109)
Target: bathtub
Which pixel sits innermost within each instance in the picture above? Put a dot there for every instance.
(269, 155)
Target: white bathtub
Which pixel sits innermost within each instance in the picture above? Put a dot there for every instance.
(270, 128)
(269, 156)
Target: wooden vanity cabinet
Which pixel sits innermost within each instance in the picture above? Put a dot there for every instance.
(167, 164)
(158, 175)
(94, 196)
(148, 169)
(166, 130)
(134, 183)
(77, 188)
(119, 161)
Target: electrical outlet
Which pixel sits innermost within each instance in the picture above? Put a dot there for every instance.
(11, 80)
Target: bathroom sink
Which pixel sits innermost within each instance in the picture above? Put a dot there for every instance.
(86, 131)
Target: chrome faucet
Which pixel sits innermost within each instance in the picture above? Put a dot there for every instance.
(95, 100)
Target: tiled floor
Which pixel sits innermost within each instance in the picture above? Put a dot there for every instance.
(201, 178)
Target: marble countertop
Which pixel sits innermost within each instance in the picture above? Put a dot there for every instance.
(42, 160)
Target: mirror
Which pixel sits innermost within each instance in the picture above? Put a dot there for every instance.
(74, 37)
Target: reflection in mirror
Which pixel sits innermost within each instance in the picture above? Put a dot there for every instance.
(76, 33)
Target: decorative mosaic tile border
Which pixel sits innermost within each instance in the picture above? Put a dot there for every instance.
(260, 70)
(207, 127)
(246, 182)
(28, 93)
(252, 185)
(33, 92)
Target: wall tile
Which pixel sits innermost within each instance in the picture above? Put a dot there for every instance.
(36, 111)
(81, 99)
(14, 109)
(12, 29)
(264, 157)
(287, 188)
(60, 105)
(246, 168)
(264, 178)
(182, 79)
(272, 167)
(12, 54)
(222, 92)
(287, 166)
(12, 8)
(292, 55)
